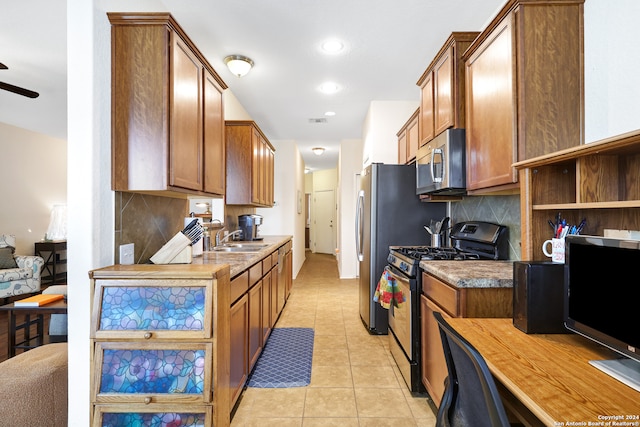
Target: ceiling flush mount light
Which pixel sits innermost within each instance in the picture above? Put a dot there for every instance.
(318, 151)
(329, 87)
(330, 113)
(332, 46)
(238, 64)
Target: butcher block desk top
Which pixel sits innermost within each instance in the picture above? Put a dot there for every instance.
(550, 375)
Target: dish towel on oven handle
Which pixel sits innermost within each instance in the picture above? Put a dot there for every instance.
(388, 292)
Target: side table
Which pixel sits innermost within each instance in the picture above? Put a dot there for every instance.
(54, 254)
(56, 307)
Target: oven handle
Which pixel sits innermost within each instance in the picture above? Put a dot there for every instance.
(400, 277)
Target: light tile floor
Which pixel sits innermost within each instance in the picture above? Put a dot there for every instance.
(354, 380)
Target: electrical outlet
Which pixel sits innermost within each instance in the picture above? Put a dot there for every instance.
(126, 254)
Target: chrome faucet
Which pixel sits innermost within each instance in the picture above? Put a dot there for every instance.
(220, 241)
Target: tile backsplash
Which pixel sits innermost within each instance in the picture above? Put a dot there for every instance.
(503, 210)
(147, 221)
(150, 221)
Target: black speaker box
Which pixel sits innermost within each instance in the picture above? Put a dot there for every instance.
(538, 297)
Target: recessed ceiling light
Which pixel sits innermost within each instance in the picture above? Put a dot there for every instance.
(329, 87)
(332, 46)
(330, 113)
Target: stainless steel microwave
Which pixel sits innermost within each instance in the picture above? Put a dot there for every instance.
(441, 166)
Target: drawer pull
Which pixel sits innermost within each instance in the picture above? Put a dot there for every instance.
(147, 335)
(147, 400)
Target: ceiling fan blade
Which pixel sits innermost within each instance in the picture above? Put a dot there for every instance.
(3, 67)
(19, 90)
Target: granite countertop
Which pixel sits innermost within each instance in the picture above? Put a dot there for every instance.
(472, 274)
(240, 261)
(210, 263)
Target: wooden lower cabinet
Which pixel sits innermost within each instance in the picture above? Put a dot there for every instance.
(434, 367)
(266, 325)
(239, 347)
(288, 269)
(252, 317)
(255, 324)
(160, 343)
(452, 302)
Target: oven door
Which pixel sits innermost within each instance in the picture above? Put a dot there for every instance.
(400, 317)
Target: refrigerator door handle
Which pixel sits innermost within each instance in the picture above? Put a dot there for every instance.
(359, 224)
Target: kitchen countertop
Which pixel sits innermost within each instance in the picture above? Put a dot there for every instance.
(240, 261)
(472, 274)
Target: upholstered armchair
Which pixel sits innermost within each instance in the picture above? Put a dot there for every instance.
(19, 274)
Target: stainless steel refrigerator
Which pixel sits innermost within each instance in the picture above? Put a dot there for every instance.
(388, 213)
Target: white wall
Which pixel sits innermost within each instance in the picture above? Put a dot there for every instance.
(283, 218)
(33, 173)
(379, 132)
(612, 61)
(90, 200)
(349, 166)
(233, 110)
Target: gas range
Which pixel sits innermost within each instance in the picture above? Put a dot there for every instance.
(472, 241)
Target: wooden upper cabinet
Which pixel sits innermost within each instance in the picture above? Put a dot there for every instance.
(250, 167)
(524, 90)
(167, 113)
(408, 139)
(185, 143)
(214, 145)
(427, 131)
(442, 88)
(490, 133)
(444, 114)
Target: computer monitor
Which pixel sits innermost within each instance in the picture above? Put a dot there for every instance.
(602, 299)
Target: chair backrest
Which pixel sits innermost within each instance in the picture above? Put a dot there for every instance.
(471, 397)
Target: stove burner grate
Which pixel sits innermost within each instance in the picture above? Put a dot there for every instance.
(420, 253)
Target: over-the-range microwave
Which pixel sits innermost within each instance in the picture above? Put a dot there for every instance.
(441, 166)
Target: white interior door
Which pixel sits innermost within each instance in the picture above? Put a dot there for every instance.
(324, 223)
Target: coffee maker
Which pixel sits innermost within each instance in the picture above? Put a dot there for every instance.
(249, 224)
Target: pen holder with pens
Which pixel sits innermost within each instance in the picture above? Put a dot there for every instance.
(557, 250)
(560, 230)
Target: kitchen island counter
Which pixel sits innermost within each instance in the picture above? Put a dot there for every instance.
(472, 274)
(241, 261)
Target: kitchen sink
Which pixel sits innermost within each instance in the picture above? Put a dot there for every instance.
(240, 247)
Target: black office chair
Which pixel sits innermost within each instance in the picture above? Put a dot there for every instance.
(470, 397)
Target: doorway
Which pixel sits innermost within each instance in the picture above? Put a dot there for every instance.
(324, 230)
(307, 221)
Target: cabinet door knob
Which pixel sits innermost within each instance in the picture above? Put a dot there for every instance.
(147, 335)
(147, 400)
